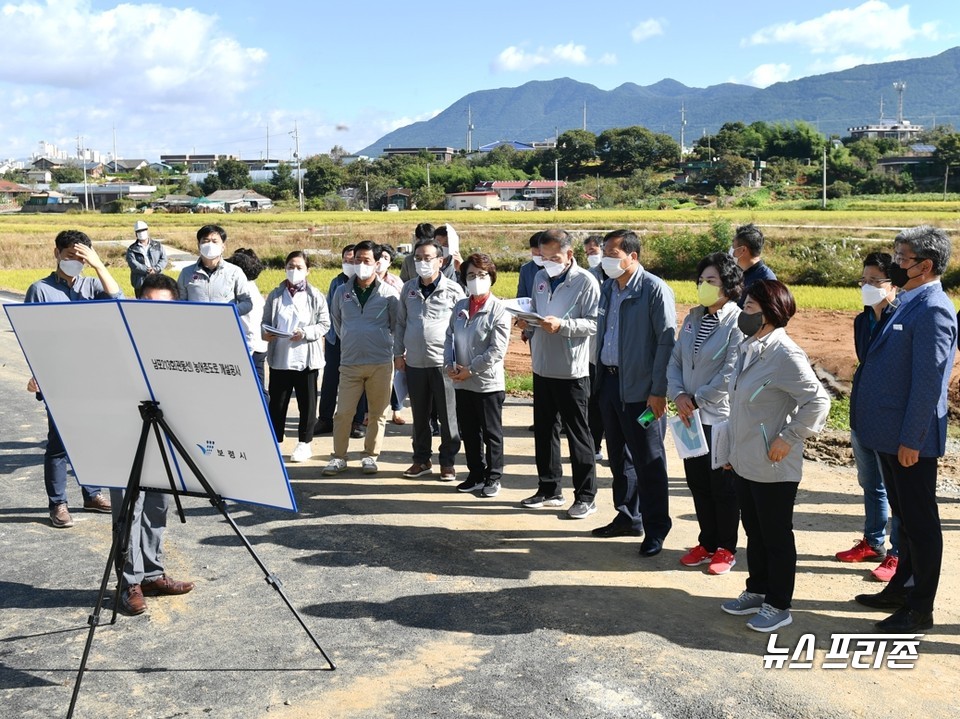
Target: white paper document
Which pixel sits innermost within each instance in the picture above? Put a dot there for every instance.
(522, 307)
(720, 441)
(689, 441)
(275, 331)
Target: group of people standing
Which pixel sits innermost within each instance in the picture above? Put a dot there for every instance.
(607, 359)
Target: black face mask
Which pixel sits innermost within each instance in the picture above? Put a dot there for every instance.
(750, 324)
(898, 275)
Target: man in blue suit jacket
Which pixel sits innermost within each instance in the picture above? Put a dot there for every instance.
(899, 409)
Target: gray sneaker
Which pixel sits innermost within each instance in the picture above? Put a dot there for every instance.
(581, 510)
(746, 603)
(769, 618)
(334, 466)
(538, 500)
(491, 488)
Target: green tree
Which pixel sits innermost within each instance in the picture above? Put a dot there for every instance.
(322, 176)
(283, 181)
(233, 174)
(731, 170)
(623, 150)
(575, 150)
(948, 153)
(211, 183)
(67, 173)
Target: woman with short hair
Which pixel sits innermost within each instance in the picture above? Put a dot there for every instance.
(776, 402)
(474, 350)
(297, 317)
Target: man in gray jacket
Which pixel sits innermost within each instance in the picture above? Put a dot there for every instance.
(364, 315)
(212, 278)
(636, 334)
(144, 257)
(423, 316)
(566, 297)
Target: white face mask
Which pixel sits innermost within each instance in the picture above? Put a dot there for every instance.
(425, 269)
(383, 264)
(594, 260)
(71, 268)
(143, 239)
(211, 250)
(349, 269)
(873, 296)
(365, 272)
(538, 260)
(611, 267)
(554, 269)
(479, 286)
(295, 275)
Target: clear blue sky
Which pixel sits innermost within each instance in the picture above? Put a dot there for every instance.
(207, 76)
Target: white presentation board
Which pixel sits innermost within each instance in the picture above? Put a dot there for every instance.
(96, 361)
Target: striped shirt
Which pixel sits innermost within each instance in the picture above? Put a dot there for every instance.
(707, 325)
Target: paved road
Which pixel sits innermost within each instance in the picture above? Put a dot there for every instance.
(431, 603)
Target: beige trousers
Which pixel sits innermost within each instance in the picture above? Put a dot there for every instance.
(376, 380)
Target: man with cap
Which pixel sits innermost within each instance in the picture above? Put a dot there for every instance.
(144, 256)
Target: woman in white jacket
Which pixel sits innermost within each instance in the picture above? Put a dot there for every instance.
(295, 317)
(776, 402)
(697, 378)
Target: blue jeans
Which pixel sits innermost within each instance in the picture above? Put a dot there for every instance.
(55, 469)
(875, 505)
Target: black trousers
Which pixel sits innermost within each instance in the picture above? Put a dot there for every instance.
(637, 460)
(431, 391)
(593, 410)
(283, 382)
(556, 400)
(480, 418)
(259, 359)
(912, 493)
(715, 501)
(330, 384)
(766, 509)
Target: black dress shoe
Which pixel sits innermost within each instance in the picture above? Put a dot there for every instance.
(322, 427)
(651, 547)
(906, 621)
(616, 529)
(882, 600)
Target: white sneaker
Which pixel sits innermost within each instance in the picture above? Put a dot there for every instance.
(303, 452)
(368, 465)
(335, 466)
(598, 456)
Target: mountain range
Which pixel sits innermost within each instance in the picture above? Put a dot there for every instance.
(833, 102)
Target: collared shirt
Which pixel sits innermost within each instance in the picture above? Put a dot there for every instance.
(610, 349)
(363, 293)
(53, 288)
(904, 298)
(427, 290)
(555, 282)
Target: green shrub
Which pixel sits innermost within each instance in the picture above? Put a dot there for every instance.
(675, 255)
(827, 262)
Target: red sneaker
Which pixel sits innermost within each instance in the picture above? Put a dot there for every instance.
(722, 561)
(696, 556)
(860, 552)
(886, 570)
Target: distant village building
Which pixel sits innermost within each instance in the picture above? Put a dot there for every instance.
(195, 163)
(241, 200)
(117, 166)
(482, 200)
(50, 201)
(441, 154)
(903, 132)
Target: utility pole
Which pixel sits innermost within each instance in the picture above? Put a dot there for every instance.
(428, 175)
(115, 148)
(296, 155)
(268, 143)
(683, 124)
(823, 201)
(83, 164)
(556, 184)
(469, 129)
(584, 115)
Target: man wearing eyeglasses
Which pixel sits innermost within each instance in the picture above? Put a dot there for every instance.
(423, 315)
(899, 409)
